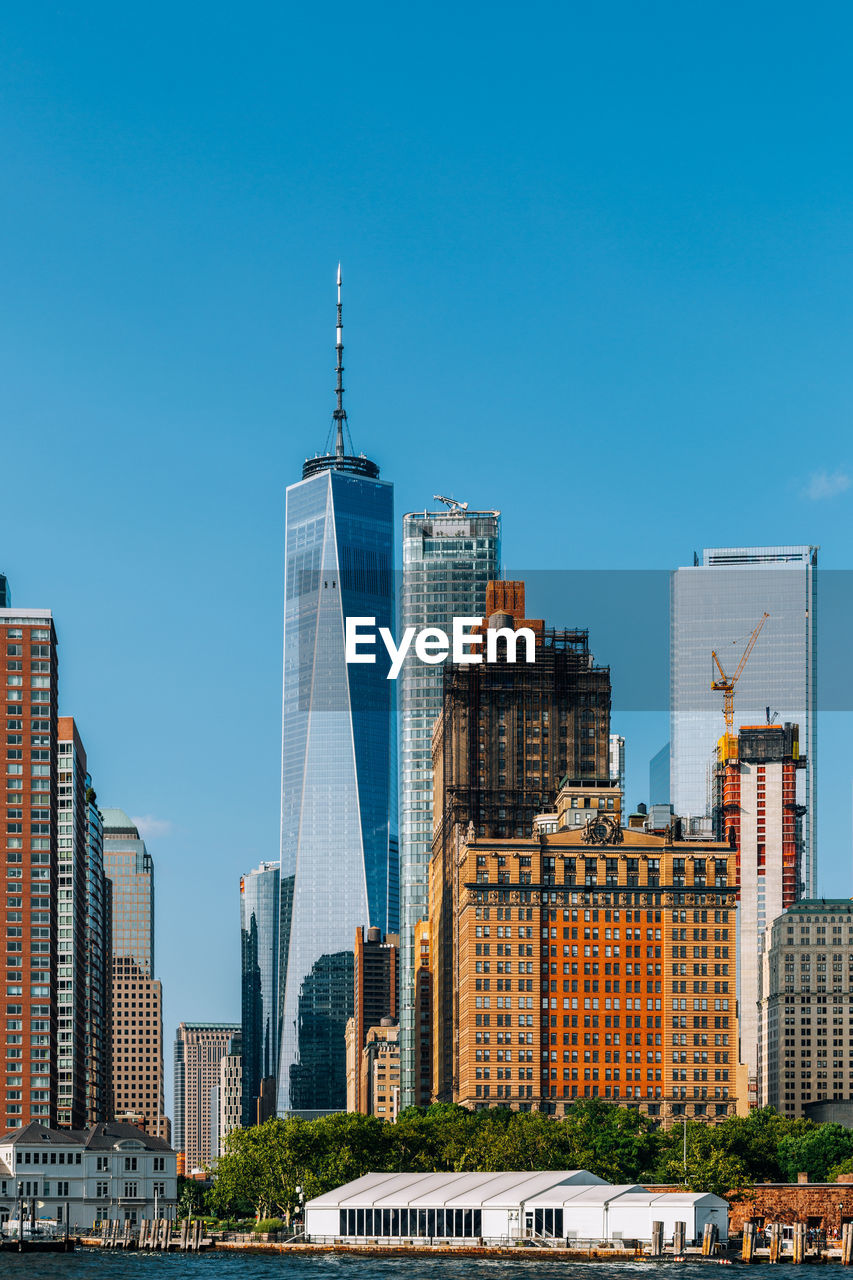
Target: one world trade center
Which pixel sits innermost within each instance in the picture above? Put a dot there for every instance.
(339, 859)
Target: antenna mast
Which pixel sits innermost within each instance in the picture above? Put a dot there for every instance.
(340, 414)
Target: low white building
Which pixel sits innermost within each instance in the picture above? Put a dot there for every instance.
(566, 1205)
(106, 1172)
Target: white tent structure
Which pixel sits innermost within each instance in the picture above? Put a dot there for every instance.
(560, 1205)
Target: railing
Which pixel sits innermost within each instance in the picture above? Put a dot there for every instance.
(627, 1245)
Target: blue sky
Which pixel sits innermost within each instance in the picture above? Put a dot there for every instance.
(597, 273)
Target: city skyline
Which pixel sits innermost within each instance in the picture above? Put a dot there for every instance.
(613, 303)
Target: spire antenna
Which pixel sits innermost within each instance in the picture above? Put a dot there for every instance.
(340, 414)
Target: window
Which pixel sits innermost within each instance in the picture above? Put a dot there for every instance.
(130, 1164)
(130, 1190)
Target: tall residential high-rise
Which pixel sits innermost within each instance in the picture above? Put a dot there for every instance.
(376, 993)
(199, 1050)
(259, 955)
(137, 996)
(448, 557)
(28, 913)
(339, 859)
(571, 978)
(226, 1098)
(508, 733)
(805, 1047)
(84, 977)
(716, 604)
(756, 811)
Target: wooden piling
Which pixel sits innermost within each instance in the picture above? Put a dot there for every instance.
(185, 1231)
(847, 1244)
(679, 1237)
(747, 1251)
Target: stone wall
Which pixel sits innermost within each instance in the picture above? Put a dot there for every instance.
(815, 1203)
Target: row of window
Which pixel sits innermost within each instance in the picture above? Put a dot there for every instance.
(427, 1223)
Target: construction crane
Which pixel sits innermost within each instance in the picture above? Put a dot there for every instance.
(726, 684)
(450, 502)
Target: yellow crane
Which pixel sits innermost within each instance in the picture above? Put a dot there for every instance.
(726, 684)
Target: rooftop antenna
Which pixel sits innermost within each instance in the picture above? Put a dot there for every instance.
(450, 502)
(340, 414)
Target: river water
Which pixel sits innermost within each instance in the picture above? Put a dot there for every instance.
(226, 1265)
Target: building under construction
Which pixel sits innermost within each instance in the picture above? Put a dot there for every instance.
(507, 734)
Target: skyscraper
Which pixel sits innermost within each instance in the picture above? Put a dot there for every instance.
(84, 943)
(5, 593)
(716, 604)
(339, 858)
(137, 997)
(199, 1050)
(28, 913)
(448, 557)
(756, 811)
(259, 952)
(806, 997)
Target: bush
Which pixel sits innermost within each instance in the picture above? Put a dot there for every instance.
(267, 1225)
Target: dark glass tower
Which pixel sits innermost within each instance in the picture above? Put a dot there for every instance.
(259, 952)
(339, 860)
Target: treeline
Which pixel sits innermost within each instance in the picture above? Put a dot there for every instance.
(263, 1167)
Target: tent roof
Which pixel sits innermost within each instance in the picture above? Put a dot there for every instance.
(456, 1190)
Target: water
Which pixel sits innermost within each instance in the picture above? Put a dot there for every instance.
(95, 1265)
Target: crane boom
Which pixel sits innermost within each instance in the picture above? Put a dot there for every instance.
(726, 684)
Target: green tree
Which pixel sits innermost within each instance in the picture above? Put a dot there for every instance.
(815, 1150)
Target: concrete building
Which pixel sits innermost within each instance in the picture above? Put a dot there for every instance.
(571, 971)
(715, 604)
(373, 1074)
(507, 734)
(109, 1172)
(448, 558)
(805, 1043)
(569, 1206)
(756, 810)
(28, 912)
(230, 1090)
(199, 1050)
(339, 855)
(137, 996)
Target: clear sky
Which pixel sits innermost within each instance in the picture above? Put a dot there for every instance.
(598, 274)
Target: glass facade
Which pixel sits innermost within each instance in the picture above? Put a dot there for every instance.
(716, 604)
(259, 951)
(130, 867)
(339, 857)
(448, 557)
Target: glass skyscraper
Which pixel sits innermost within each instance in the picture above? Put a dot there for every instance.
(339, 857)
(448, 557)
(716, 604)
(259, 955)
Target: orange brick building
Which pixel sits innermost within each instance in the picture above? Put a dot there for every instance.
(588, 960)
